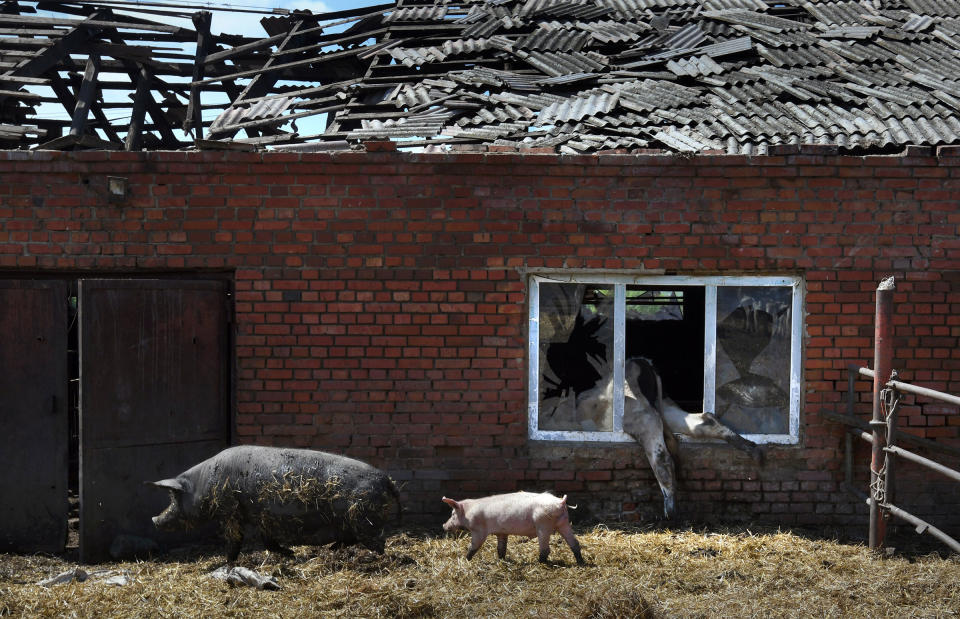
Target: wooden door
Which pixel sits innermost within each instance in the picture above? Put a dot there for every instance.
(33, 415)
(154, 399)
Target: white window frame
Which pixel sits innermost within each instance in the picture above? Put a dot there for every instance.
(620, 283)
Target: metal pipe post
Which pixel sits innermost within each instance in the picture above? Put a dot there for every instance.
(882, 366)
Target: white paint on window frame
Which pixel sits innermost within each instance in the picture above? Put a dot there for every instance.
(620, 281)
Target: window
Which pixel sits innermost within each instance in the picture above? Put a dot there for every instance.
(729, 345)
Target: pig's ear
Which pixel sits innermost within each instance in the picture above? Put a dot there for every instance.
(170, 484)
(451, 503)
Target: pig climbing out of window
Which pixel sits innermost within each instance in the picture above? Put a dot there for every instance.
(287, 496)
(641, 420)
(518, 513)
(653, 420)
(705, 425)
(643, 384)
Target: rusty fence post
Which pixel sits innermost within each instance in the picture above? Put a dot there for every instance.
(882, 367)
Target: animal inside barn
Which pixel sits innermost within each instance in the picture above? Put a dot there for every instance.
(496, 206)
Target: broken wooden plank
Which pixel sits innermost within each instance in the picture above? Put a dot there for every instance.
(85, 96)
(89, 23)
(242, 49)
(22, 79)
(27, 42)
(39, 63)
(20, 94)
(333, 38)
(31, 32)
(330, 41)
(19, 131)
(225, 145)
(65, 142)
(287, 65)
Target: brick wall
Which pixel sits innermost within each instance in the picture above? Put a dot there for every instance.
(381, 305)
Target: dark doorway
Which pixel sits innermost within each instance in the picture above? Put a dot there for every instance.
(135, 373)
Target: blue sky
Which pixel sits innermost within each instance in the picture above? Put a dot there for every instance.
(249, 23)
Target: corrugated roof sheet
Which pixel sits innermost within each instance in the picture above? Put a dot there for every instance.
(417, 13)
(918, 23)
(575, 108)
(942, 8)
(685, 38)
(748, 5)
(556, 63)
(838, 13)
(702, 65)
(755, 19)
(553, 39)
(574, 75)
(266, 108)
(612, 31)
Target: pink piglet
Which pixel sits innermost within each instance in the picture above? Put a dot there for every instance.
(517, 513)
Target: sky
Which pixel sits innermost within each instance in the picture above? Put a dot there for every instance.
(248, 24)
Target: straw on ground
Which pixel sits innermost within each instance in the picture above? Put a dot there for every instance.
(630, 573)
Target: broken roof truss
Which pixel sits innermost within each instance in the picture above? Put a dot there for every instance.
(569, 75)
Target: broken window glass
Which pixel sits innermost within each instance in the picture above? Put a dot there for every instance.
(721, 344)
(576, 353)
(753, 358)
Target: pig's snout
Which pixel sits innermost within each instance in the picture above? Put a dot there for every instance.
(166, 519)
(162, 523)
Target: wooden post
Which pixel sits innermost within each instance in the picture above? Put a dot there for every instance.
(85, 98)
(138, 113)
(194, 118)
(882, 367)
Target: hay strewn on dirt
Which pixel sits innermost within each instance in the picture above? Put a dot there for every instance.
(630, 573)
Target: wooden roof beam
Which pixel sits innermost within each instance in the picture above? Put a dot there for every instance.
(91, 22)
(72, 42)
(194, 118)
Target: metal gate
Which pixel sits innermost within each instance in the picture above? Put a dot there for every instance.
(33, 415)
(881, 431)
(153, 397)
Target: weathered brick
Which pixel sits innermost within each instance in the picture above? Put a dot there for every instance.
(380, 305)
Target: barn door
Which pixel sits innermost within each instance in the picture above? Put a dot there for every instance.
(33, 415)
(153, 398)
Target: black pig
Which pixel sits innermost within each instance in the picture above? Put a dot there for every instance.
(288, 496)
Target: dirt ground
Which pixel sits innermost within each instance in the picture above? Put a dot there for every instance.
(630, 572)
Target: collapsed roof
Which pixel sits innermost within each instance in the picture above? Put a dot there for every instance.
(573, 76)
